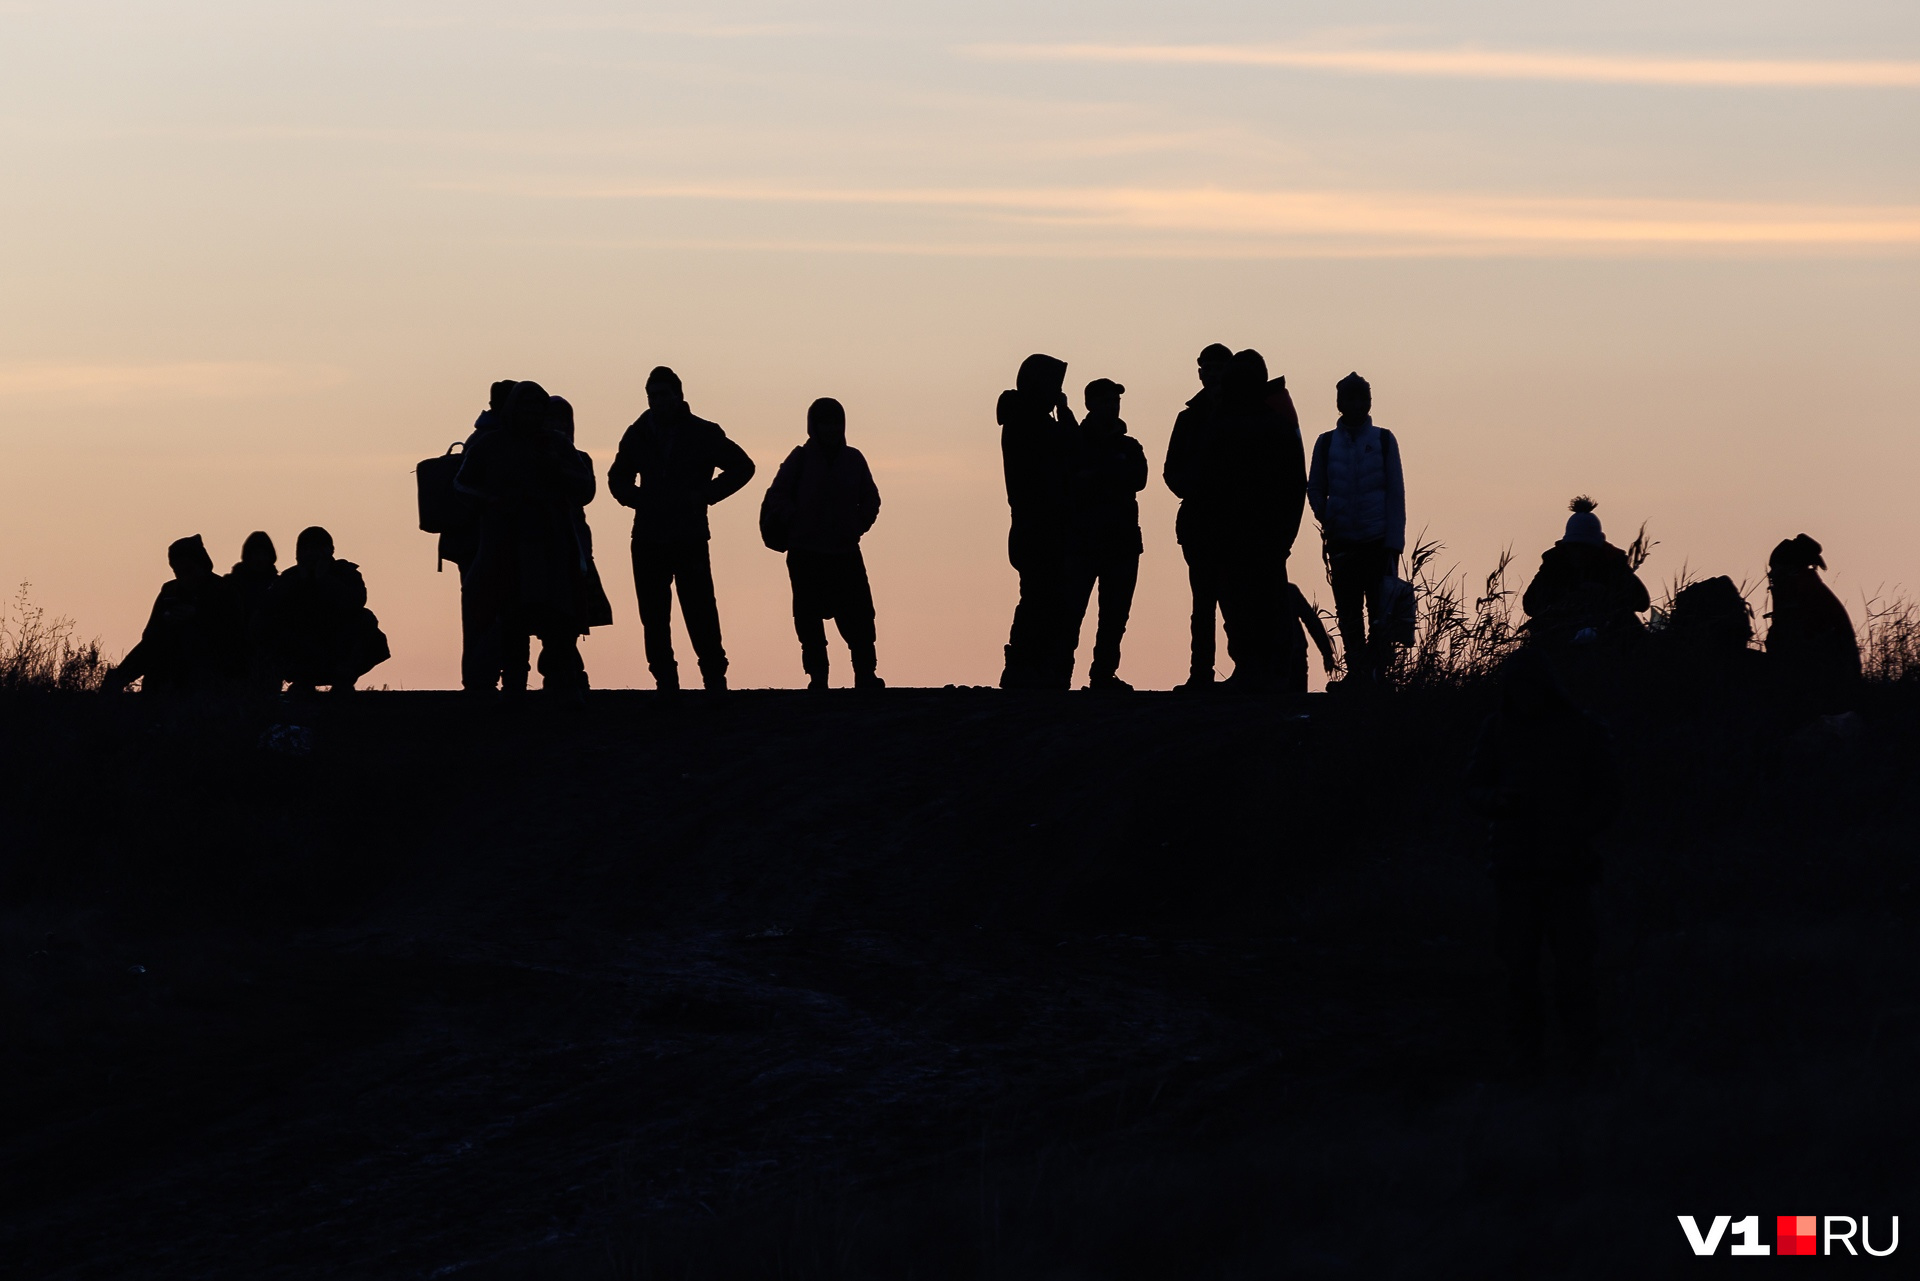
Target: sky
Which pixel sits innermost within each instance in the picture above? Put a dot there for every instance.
(258, 260)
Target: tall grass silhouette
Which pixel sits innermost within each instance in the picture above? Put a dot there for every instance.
(40, 653)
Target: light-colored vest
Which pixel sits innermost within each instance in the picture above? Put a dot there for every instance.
(1356, 484)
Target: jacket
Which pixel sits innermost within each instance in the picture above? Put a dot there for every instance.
(821, 500)
(1356, 487)
(1112, 472)
(675, 457)
(1038, 454)
(530, 485)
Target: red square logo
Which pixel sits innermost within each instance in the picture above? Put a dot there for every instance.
(1797, 1234)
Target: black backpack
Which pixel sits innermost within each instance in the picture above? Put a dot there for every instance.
(1712, 616)
(443, 509)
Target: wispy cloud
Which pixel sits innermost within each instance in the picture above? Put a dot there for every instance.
(116, 384)
(1406, 220)
(1493, 64)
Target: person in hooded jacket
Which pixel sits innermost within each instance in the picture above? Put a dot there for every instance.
(1810, 638)
(1359, 496)
(671, 467)
(192, 637)
(1039, 448)
(1193, 475)
(252, 580)
(1107, 545)
(318, 628)
(531, 575)
(1544, 778)
(1261, 488)
(1585, 588)
(822, 501)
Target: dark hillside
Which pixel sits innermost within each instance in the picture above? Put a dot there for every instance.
(940, 983)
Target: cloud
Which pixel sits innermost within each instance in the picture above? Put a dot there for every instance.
(120, 384)
(1343, 219)
(1493, 64)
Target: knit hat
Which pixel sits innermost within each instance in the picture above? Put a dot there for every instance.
(1583, 526)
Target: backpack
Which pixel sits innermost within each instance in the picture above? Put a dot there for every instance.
(1712, 615)
(443, 510)
(1397, 615)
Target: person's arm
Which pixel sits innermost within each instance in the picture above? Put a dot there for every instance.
(1135, 474)
(1310, 618)
(620, 476)
(1065, 411)
(1178, 472)
(1317, 481)
(736, 469)
(1292, 486)
(1396, 492)
(587, 488)
(867, 494)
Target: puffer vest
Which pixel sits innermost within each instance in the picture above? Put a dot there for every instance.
(1356, 485)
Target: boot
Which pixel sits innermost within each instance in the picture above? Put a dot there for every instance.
(666, 681)
(1108, 683)
(813, 660)
(864, 662)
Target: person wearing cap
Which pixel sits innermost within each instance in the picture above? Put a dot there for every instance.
(671, 467)
(1191, 471)
(1359, 496)
(192, 637)
(1584, 583)
(318, 628)
(1810, 638)
(1111, 473)
(1039, 453)
(821, 502)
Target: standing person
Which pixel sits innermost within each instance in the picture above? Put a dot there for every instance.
(1039, 442)
(595, 610)
(1544, 777)
(252, 581)
(1111, 474)
(1262, 494)
(482, 652)
(191, 637)
(1191, 472)
(1360, 499)
(530, 576)
(1810, 637)
(319, 630)
(822, 501)
(675, 457)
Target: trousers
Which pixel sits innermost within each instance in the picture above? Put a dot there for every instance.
(659, 569)
(1116, 574)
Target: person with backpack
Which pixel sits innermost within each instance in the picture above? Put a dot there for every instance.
(1039, 453)
(455, 517)
(670, 468)
(1585, 589)
(1810, 638)
(821, 503)
(1192, 472)
(1106, 530)
(531, 576)
(317, 626)
(192, 637)
(1359, 496)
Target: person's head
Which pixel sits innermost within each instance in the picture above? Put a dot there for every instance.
(1530, 691)
(188, 558)
(663, 389)
(1796, 553)
(1103, 397)
(1041, 378)
(1583, 526)
(827, 423)
(1215, 359)
(1247, 376)
(314, 546)
(527, 406)
(258, 551)
(560, 417)
(500, 393)
(1354, 397)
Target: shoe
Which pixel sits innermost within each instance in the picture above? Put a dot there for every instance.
(1197, 684)
(715, 685)
(1108, 684)
(868, 681)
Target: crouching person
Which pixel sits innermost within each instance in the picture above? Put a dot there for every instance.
(1543, 776)
(818, 507)
(192, 638)
(319, 630)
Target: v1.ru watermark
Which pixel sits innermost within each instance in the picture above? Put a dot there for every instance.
(1793, 1234)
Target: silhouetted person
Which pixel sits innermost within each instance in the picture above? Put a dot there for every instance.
(1810, 638)
(1107, 482)
(319, 630)
(1359, 496)
(1261, 486)
(252, 580)
(1039, 447)
(1192, 473)
(1543, 775)
(1585, 589)
(1302, 622)
(483, 649)
(821, 502)
(191, 637)
(675, 457)
(531, 575)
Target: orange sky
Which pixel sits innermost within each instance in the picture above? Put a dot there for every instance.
(259, 263)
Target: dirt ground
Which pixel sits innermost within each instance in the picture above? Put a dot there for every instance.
(942, 983)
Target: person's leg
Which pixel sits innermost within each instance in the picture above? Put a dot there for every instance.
(562, 670)
(803, 575)
(653, 588)
(1380, 562)
(1033, 641)
(854, 616)
(1243, 612)
(1074, 592)
(1119, 575)
(515, 647)
(479, 650)
(693, 576)
(1203, 582)
(1520, 931)
(1347, 576)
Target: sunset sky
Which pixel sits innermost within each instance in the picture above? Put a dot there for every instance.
(259, 259)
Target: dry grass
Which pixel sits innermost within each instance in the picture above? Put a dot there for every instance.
(1463, 632)
(1890, 652)
(38, 653)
